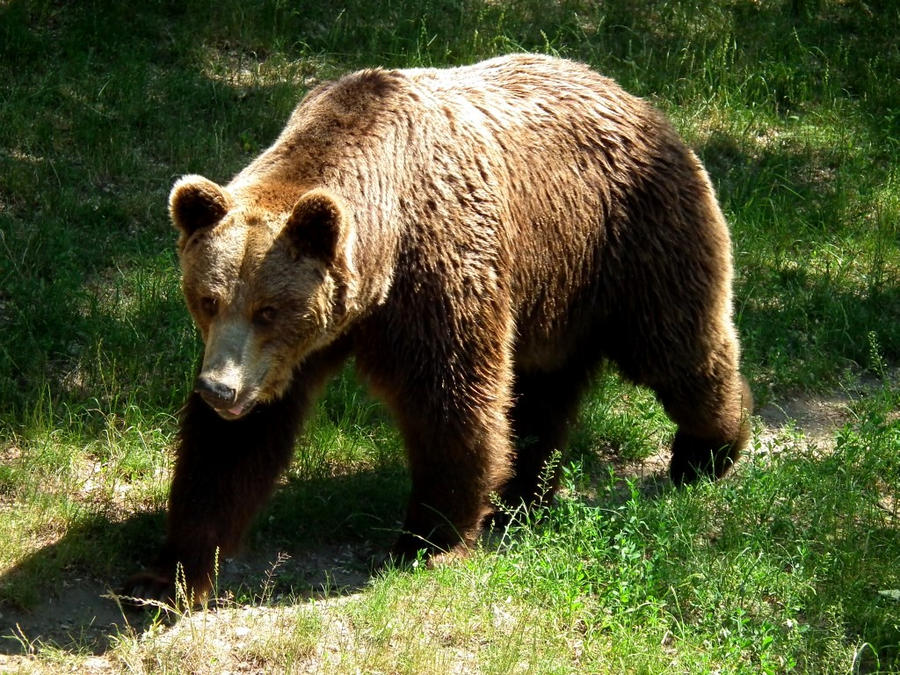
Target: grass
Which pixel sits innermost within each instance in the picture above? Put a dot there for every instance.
(794, 108)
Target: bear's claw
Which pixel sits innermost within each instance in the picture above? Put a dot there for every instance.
(147, 589)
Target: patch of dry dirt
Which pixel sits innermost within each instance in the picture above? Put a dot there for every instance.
(816, 419)
(82, 614)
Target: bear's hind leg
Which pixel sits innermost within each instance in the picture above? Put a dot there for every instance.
(712, 414)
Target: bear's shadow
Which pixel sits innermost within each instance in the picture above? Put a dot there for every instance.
(316, 538)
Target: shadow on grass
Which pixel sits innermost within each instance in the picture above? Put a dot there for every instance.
(317, 538)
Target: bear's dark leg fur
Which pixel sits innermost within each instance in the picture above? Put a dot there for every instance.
(544, 407)
(224, 472)
(711, 404)
(455, 467)
(459, 452)
(711, 434)
(448, 380)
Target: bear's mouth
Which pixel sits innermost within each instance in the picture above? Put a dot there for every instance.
(236, 411)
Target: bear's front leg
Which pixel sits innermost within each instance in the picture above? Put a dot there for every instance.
(224, 472)
(455, 465)
(456, 428)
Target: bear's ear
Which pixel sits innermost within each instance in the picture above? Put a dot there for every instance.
(316, 226)
(195, 203)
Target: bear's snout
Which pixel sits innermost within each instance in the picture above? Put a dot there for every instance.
(216, 394)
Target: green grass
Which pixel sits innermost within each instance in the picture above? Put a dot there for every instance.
(794, 108)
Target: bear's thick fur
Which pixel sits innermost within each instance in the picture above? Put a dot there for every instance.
(480, 238)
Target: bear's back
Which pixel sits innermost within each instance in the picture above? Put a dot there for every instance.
(535, 167)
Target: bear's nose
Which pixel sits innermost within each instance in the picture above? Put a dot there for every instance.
(216, 394)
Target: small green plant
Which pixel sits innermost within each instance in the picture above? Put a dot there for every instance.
(876, 360)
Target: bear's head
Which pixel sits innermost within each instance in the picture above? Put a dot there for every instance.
(265, 287)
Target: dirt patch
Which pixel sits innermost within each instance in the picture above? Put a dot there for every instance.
(75, 615)
(814, 419)
(82, 614)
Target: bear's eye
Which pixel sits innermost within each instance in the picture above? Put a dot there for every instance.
(265, 316)
(209, 306)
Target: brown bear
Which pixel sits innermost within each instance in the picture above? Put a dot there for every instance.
(479, 238)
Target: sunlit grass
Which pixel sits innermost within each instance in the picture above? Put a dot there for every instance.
(768, 573)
